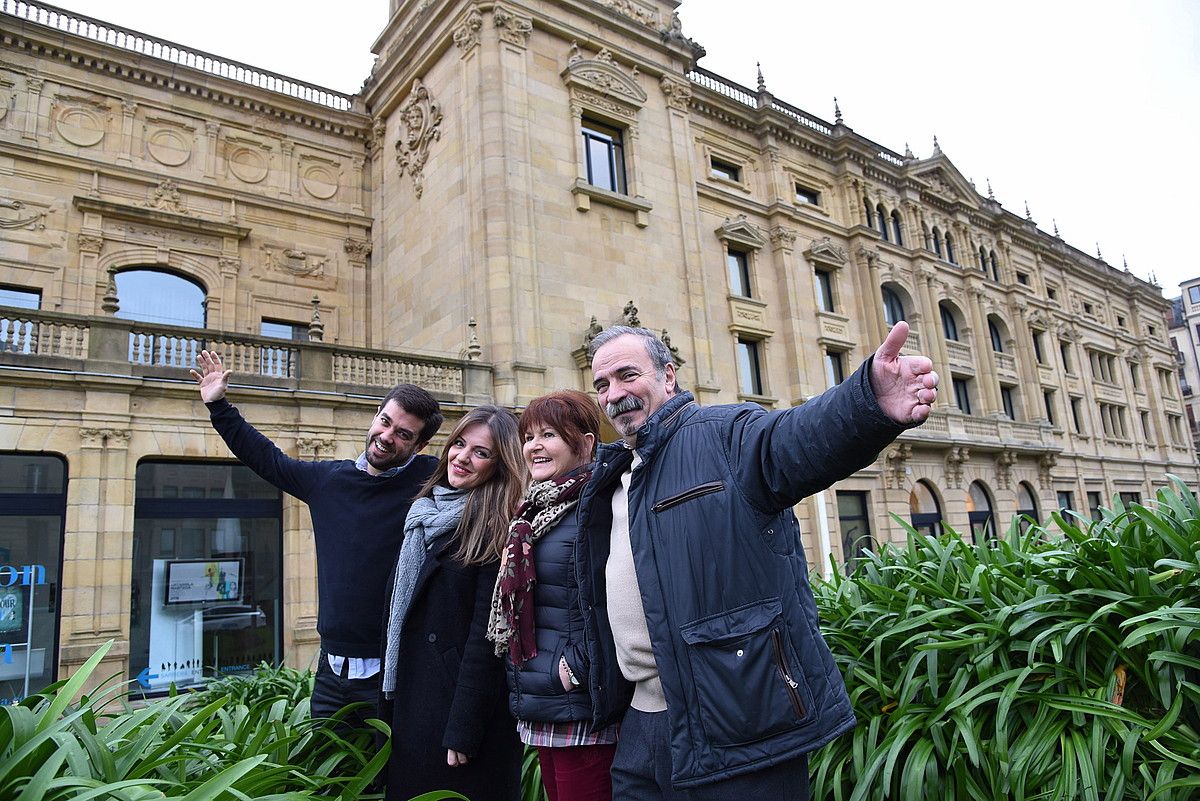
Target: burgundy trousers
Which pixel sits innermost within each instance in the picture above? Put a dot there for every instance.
(577, 772)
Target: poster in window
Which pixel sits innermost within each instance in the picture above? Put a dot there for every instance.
(12, 609)
(192, 581)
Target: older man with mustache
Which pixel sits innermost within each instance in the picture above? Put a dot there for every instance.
(693, 575)
(358, 510)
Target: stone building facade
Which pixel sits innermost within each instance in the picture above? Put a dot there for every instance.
(1185, 340)
(512, 177)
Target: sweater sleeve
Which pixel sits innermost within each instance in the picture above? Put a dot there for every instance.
(480, 685)
(260, 454)
(784, 456)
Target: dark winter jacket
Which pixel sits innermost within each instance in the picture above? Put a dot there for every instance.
(748, 679)
(358, 525)
(450, 691)
(535, 689)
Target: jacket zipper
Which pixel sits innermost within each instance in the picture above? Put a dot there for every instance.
(687, 495)
(788, 681)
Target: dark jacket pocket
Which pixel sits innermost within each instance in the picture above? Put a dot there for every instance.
(746, 688)
(688, 494)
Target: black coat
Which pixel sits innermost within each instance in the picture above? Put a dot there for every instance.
(535, 689)
(748, 679)
(450, 691)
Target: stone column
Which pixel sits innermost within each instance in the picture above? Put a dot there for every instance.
(128, 111)
(934, 342)
(211, 130)
(33, 107)
(989, 387)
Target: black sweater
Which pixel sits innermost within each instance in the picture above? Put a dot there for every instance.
(358, 525)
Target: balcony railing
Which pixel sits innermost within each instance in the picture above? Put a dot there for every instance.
(126, 39)
(995, 432)
(104, 344)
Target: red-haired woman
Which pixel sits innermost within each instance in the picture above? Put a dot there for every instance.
(537, 620)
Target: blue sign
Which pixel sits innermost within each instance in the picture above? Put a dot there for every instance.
(11, 575)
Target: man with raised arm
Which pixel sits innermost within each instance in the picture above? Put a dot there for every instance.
(358, 509)
(692, 574)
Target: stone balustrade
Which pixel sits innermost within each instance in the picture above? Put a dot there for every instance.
(45, 339)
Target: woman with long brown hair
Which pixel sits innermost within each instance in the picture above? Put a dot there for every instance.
(450, 726)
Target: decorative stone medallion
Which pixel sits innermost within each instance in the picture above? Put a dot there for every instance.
(246, 164)
(319, 180)
(169, 146)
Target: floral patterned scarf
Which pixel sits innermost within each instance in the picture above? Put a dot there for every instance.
(510, 624)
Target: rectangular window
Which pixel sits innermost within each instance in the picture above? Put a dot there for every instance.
(805, 195)
(1048, 400)
(1051, 293)
(1093, 499)
(1130, 497)
(280, 329)
(1023, 279)
(1066, 500)
(1146, 434)
(962, 394)
(1064, 350)
(1038, 352)
(33, 505)
(835, 369)
(1135, 375)
(605, 155)
(1194, 294)
(278, 362)
(1120, 321)
(1077, 415)
(725, 170)
(824, 281)
(218, 526)
(20, 298)
(739, 273)
(1006, 398)
(749, 367)
(855, 523)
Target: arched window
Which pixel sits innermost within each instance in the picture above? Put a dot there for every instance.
(950, 249)
(937, 241)
(882, 219)
(924, 509)
(995, 266)
(155, 296)
(949, 325)
(893, 307)
(982, 259)
(979, 513)
(1026, 503)
(994, 333)
(870, 213)
(897, 236)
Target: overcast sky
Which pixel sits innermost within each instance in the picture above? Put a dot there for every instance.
(1087, 109)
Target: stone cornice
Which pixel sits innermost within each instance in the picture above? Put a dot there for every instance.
(179, 222)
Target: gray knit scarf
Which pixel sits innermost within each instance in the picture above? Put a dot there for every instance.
(429, 519)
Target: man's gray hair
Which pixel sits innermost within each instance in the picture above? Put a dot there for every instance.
(660, 355)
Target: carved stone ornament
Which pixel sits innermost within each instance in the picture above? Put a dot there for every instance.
(1046, 463)
(635, 11)
(13, 215)
(1004, 465)
(955, 459)
(422, 121)
(630, 313)
(376, 135)
(104, 437)
(676, 358)
(357, 249)
(166, 197)
(512, 27)
(742, 232)
(603, 76)
(466, 35)
(677, 91)
(90, 244)
(895, 460)
(6, 97)
(314, 447)
(82, 121)
(296, 262)
(782, 238)
(823, 251)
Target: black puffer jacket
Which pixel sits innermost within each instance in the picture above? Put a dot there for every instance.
(534, 689)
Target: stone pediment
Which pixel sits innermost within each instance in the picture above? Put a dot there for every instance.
(602, 75)
(823, 251)
(741, 231)
(944, 179)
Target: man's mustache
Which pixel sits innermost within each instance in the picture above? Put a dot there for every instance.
(627, 404)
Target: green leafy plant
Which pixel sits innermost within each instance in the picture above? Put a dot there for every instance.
(1055, 663)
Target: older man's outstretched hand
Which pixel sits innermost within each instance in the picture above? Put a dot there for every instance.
(905, 386)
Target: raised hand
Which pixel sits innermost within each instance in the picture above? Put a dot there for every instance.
(905, 386)
(212, 377)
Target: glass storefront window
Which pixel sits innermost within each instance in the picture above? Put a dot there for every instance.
(33, 503)
(207, 592)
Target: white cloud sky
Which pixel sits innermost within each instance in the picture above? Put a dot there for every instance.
(1090, 111)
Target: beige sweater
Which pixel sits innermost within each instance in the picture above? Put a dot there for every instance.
(625, 613)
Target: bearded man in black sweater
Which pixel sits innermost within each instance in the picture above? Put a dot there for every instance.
(358, 510)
